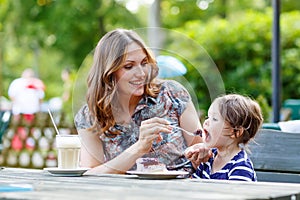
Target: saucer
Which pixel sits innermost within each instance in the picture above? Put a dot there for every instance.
(66, 172)
(159, 175)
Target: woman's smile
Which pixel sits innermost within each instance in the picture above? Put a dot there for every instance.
(137, 83)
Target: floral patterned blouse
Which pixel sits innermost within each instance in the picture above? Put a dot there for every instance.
(169, 104)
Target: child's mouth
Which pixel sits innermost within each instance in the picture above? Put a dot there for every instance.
(205, 135)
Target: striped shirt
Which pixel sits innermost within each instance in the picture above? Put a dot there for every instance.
(239, 168)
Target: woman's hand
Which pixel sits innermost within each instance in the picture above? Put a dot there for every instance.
(197, 154)
(150, 130)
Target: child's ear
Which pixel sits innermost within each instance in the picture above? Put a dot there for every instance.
(237, 132)
(240, 132)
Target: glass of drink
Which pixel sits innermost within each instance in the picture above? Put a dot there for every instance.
(68, 147)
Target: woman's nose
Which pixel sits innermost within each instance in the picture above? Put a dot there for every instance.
(140, 71)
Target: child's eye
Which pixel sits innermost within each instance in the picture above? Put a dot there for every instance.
(212, 118)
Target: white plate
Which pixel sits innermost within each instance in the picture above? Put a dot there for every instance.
(66, 172)
(159, 175)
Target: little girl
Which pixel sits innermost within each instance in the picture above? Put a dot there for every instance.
(232, 121)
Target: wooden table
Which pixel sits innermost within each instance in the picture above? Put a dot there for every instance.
(128, 187)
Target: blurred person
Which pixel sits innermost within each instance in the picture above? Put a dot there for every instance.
(68, 79)
(67, 87)
(26, 93)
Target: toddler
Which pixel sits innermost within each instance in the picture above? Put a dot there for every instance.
(232, 121)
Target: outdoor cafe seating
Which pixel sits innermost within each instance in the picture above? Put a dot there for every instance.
(275, 154)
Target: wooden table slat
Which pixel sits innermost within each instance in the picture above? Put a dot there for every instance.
(46, 186)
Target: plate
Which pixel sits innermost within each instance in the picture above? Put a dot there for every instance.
(66, 172)
(159, 175)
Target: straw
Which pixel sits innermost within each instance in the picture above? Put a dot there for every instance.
(53, 121)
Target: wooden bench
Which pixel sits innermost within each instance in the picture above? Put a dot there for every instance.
(276, 156)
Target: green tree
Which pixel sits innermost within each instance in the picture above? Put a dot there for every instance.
(241, 48)
(51, 35)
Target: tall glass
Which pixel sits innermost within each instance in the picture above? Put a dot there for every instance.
(68, 147)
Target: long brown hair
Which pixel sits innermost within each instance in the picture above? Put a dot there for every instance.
(109, 55)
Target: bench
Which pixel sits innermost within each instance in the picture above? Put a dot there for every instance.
(276, 156)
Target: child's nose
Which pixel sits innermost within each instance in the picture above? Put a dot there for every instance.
(206, 122)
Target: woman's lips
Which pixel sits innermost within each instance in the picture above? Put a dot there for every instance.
(137, 83)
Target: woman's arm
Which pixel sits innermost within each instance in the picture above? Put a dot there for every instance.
(92, 154)
(189, 121)
(197, 152)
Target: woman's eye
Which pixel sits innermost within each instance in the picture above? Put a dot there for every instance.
(129, 66)
(145, 63)
(214, 119)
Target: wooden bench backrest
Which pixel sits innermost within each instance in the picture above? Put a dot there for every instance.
(276, 151)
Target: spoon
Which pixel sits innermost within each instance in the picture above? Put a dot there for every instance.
(179, 166)
(197, 132)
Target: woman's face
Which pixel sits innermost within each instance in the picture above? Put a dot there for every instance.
(132, 76)
(216, 129)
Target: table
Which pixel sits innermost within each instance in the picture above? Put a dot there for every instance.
(129, 187)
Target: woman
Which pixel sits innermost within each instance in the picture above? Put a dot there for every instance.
(129, 114)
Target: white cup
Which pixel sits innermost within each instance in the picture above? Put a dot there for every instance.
(68, 147)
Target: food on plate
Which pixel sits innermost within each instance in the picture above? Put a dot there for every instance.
(150, 165)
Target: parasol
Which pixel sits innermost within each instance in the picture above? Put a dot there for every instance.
(169, 66)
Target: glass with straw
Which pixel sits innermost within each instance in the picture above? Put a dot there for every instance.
(68, 147)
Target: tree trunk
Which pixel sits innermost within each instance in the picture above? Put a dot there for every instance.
(155, 35)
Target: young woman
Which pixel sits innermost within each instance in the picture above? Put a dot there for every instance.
(232, 121)
(129, 113)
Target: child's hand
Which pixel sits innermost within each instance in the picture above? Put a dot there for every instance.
(197, 154)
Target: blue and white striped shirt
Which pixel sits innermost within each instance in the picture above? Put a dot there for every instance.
(240, 168)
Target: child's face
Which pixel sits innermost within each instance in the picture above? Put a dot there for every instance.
(216, 130)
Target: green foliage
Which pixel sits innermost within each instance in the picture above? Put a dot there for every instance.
(240, 46)
(49, 36)
(229, 39)
(265, 108)
(290, 63)
(52, 35)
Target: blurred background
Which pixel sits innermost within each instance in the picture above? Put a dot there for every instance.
(50, 36)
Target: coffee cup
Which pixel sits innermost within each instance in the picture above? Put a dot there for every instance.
(68, 147)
